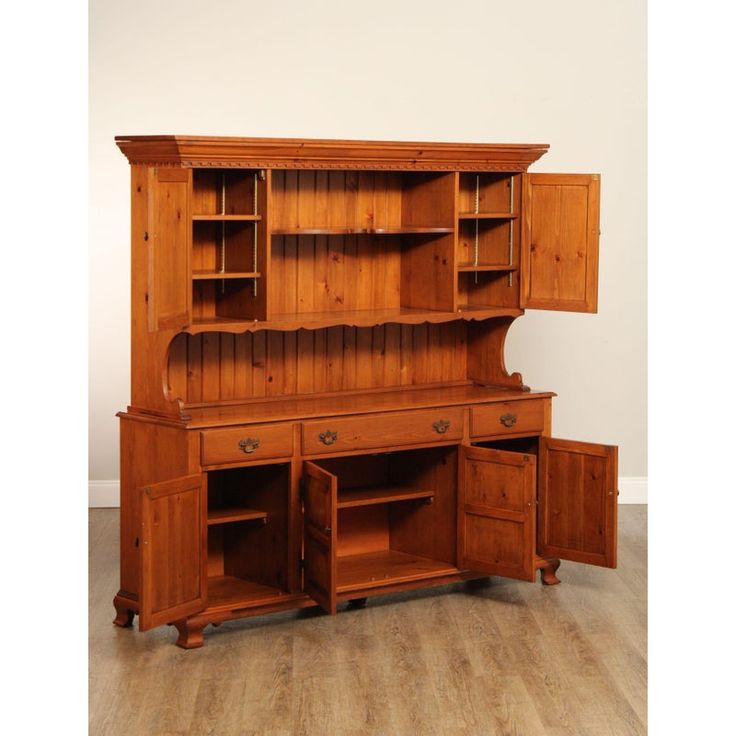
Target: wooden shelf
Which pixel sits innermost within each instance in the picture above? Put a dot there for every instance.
(469, 268)
(374, 569)
(234, 513)
(229, 591)
(226, 218)
(487, 216)
(350, 318)
(217, 275)
(349, 498)
(402, 230)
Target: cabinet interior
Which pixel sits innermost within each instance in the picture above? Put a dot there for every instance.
(247, 533)
(396, 516)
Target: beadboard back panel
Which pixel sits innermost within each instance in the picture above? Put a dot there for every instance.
(218, 366)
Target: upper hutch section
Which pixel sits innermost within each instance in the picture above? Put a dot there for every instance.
(309, 266)
(245, 234)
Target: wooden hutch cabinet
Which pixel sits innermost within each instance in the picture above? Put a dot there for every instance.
(320, 410)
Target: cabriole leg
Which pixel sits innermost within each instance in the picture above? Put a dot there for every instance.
(548, 568)
(124, 614)
(191, 633)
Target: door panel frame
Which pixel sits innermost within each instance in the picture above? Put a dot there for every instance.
(550, 497)
(526, 517)
(148, 618)
(590, 301)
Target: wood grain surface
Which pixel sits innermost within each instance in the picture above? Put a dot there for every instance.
(475, 659)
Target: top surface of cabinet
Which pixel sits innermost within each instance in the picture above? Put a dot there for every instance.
(305, 153)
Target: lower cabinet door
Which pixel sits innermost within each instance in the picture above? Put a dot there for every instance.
(497, 512)
(173, 551)
(578, 501)
(320, 533)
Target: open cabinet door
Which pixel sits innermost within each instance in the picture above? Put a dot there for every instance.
(320, 530)
(169, 241)
(497, 512)
(559, 246)
(578, 501)
(173, 551)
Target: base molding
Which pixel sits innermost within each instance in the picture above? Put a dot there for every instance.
(632, 489)
(105, 494)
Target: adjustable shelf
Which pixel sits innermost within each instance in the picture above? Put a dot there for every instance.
(217, 275)
(226, 218)
(353, 497)
(234, 513)
(487, 216)
(502, 267)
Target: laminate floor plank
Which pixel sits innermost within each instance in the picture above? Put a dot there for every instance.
(491, 657)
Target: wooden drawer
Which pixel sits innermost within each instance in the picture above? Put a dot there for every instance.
(241, 444)
(509, 417)
(382, 430)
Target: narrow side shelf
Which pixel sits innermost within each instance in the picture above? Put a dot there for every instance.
(502, 267)
(351, 497)
(487, 216)
(226, 218)
(234, 513)
(217, 275)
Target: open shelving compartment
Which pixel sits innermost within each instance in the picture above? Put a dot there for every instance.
(228, 249)
(247, 535)
(396, 517)
(360, 243)
(488, 242)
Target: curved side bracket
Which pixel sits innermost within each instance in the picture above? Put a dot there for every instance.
(486, 364)
(150, 386)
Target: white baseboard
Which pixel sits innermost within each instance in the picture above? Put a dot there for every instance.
(106, 493)
(632, 490)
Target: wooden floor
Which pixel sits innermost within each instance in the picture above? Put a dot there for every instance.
(502, 657)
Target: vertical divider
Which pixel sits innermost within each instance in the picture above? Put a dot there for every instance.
(263, 307)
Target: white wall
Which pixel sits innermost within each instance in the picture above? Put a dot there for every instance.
(569, 73)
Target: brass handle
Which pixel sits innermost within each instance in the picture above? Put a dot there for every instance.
(508, 420)
(328, 438)
(328, 530)
(441, 426)
(249, 445)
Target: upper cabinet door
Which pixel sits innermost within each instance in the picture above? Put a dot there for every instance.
(578, 501)
(497, 512)
(320, 531)
(559, 268)
(169, 285)
(173, 546)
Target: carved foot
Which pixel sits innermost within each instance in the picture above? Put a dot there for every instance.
(124, 614)
(548, 568)
(191, 633)
(357, 603)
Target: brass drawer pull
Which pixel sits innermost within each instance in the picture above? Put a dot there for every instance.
(249, 445)
(441, 426)
(508, 420)
(328, 438)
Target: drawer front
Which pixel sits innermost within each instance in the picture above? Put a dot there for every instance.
(509, 417)
(241, 444)
(382, 430)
